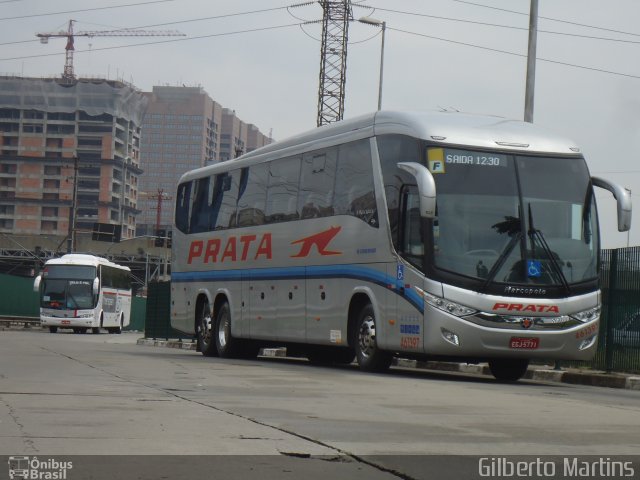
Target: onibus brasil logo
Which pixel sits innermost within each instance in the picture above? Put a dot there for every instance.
(23, 467)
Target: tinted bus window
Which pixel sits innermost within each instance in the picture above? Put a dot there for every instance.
(393, 149)
(253, 195)
(282, 195)
(201, 210)
(355, 193)
(317, 183)
(183, 207)
(225, 198)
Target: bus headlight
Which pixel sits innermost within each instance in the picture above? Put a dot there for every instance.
(446, 305)
(587, 316)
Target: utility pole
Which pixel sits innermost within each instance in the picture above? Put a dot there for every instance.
(71, 244)
(531, 62)
(333, 60)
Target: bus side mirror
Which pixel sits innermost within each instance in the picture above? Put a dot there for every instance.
(96, 286)
(36, 283)
(426, 187)
(623, 196)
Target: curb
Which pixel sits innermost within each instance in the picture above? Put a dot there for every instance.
(541, 373)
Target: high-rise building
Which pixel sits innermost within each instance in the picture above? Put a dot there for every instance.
(55, 135)
(183, 129)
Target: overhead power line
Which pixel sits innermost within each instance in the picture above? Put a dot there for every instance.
(83, 10)
(506, 52)
(612, 30)
(261, 29)
(511, 27)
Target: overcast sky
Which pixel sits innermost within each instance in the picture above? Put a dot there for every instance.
(270, 76)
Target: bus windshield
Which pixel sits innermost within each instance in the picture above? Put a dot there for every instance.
(68, 287)
(513, 219)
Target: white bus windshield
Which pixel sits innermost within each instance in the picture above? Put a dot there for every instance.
(514, 219)
(68, 287)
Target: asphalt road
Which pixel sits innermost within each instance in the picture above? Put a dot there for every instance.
(69, 395)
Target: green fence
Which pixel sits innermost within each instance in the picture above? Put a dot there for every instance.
(619, 337)
(18, 297)
(157, 323)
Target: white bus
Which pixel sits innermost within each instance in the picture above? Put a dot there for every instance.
(423, 235)
(84, 292)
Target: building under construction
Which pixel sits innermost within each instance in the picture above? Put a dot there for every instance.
(57, 136)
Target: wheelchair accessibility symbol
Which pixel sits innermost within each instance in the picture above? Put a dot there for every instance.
(534, 268)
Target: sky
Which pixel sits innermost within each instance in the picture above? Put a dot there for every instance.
(255, 57)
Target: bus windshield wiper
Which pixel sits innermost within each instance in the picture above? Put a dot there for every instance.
(534, 233)
(501, 260)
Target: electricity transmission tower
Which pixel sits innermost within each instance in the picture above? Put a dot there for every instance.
(333, 59)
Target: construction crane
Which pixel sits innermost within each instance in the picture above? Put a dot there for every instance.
(333, 59)
(69, 34)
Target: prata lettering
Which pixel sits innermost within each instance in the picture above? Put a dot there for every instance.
(521, 307)
(243, 248)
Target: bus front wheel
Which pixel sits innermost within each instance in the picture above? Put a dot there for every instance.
(370, 357)
(53, 329)
(206, 345)
(508, 369)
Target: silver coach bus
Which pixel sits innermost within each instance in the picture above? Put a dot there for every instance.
(423, 235)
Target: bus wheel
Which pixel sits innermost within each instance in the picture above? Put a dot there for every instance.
(226, 345)
(118, 329)
(53, 329)
(508, 370)
(370, 357)
(95, 330)
(206, 345)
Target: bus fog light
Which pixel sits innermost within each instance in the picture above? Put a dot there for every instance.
(450, 337)
(587, 342)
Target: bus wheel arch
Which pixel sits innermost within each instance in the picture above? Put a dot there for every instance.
(203, 325)
(362, 335)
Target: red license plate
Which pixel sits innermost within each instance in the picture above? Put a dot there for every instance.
(524, 343)
(66, 322)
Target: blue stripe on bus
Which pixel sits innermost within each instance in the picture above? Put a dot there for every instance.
(328, 271)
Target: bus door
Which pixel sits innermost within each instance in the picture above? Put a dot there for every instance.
(411, 248)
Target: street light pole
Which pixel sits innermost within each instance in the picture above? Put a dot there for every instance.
(531, 63)
(383, 26)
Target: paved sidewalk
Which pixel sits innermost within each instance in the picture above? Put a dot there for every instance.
(536, 372)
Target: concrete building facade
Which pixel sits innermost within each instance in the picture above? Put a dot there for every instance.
(183, 129)
(55, 135)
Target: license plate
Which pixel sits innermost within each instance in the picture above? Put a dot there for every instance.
(524, 343)
(66, 322)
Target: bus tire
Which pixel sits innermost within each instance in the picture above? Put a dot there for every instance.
(370, 357)
(95, 330)
(508, 369)
(53, 329)
(227, 346)
(204, 331)
(118, 329)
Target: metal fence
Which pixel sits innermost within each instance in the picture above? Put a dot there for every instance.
(619, 338)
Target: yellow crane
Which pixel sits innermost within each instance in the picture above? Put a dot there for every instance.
(69, 34)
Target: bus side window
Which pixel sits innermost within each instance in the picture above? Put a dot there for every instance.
(282, 193)
(253, 196)
(317, 182)
(355, 193)
(201, 206)
(183, 206)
